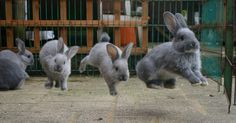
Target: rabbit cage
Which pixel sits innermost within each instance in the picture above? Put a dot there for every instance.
(137, 21)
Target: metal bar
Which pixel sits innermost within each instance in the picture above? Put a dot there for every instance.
(234, 40)
(228, 51)
(9, 31)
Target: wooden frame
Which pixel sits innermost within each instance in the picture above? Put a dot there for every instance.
(63, 23)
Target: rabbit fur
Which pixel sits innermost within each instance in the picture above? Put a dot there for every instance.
(13, 65)
(179, 57)
(110, 60)
(55, 58)
(23, 58)
(12, 76)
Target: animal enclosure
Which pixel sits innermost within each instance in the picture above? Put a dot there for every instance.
(137, 21)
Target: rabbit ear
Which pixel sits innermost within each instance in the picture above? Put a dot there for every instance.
(127, 51)
(112, 52)
(171, 22)
(60, 45)
(21, 45)
(181, 20)
(71, 52)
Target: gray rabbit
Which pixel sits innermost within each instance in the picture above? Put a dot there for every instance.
(12, 76)
(55, 58)
(13, 65)
(110, 60)
(23, 58)
(180, 57)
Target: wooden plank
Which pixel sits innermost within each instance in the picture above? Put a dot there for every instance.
(90, 17)
(145, 28)
(9, 31)
(8, 9)
(35, 4)
(82, 50)
(117, 13)
(68, 23)
(63, 14)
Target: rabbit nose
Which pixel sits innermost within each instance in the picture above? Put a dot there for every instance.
(193, 44)
(58, 68)
(123, 78)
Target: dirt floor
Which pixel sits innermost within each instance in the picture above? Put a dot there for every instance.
(88, 100)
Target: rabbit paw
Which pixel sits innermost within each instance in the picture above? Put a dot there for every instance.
(196, 84)
(48, 85)
(64, 86)
(113, 93)
(153, 86)
(204, 81)
(57, 85)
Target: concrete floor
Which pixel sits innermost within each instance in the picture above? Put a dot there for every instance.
(88, 101)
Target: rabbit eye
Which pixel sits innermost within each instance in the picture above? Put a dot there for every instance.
(28, 56)
(55, 60)
(64, 62)
(181, 37)
(116, 68)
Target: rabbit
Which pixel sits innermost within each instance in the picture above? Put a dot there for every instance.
(179, 57)
(23, 58)
(110, 60)
(12, 75)
(55, 58)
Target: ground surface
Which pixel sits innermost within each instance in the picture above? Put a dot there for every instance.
(88, 101)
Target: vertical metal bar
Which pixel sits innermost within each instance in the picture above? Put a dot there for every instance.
(63, 13)
(9, 31)
(35, 4)
(89, 18)
(228, 50)
(117, 13)
(234, 41)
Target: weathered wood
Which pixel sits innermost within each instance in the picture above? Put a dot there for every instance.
(145, 28)
(9, 31)
(75, 23)
(35, 4)
(117, 13)
(63, 14)
(83, 50)
(90, 17)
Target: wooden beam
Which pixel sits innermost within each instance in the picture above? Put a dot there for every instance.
(82, 50)
(117, 13)
(90, 18)
(75, 23)
(9, 31)
(145, 28)
(63, 14)
(35, 4)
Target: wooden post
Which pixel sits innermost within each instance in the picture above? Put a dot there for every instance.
(9, 31)
(89, 18)
(117, 13)
(35, 4)
(63, 13)
(145, 28)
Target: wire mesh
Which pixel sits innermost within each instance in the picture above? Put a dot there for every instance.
(138, 21)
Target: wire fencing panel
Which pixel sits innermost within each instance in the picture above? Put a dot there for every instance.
(140, 22)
